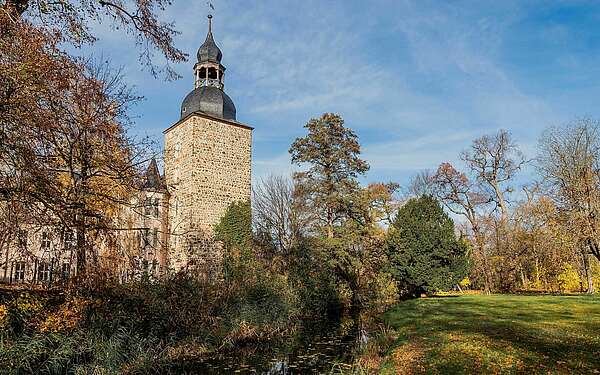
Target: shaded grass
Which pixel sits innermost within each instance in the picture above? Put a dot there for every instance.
(495, 334)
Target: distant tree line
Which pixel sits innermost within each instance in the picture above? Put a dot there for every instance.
(447, 229)
(541, 234)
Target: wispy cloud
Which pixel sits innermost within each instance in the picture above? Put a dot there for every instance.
(417, 80)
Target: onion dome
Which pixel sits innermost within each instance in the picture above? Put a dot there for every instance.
(210, 100)
(209, 50)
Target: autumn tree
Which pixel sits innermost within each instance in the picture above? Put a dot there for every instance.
(349, 218)
(494, 161)
(332, 153)
(569, 161)
(64, 151)
(541, 249)
(481, 192)
(72, 20)
(464, 197)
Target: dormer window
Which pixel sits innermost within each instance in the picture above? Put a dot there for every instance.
(45, 241)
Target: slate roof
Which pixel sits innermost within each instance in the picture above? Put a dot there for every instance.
(153, 181)
(210, 100)
(209, 51)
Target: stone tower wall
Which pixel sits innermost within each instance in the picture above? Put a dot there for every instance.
(207, 167)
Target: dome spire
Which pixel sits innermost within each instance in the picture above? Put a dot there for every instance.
(208, 95)
(209, 51)
(208, 70)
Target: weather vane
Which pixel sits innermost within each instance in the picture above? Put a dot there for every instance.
(210, 6)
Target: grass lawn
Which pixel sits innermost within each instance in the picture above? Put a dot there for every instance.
(495, 334)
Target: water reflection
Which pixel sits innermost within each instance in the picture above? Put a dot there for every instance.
(317, 348)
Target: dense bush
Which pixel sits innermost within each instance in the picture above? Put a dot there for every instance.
(424, 253)
(313, 281)
(135, 327)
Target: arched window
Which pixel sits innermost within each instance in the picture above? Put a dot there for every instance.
(177, 149)
(212, 73)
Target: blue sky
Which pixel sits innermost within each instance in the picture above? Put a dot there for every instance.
(416, 80)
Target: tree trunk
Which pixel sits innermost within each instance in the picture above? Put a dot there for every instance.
(329, 222)
(81, 250)
(523, 278)
(588, 273)
(487, 278)
(7, 261)
(537, 272)
(594, 248)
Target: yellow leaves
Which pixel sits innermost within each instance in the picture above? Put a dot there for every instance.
(568, 279)
(67, 317)
(3, 316)
(27, 304)
(408, 358)
(465, 283)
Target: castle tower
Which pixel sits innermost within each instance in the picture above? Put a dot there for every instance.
(207, 161)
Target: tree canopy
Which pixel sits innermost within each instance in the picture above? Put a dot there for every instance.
(332, 152)
(73, 21)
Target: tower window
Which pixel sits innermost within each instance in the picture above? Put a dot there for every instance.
(155, 237)
(154, 267)
(148, 206)
(156, 204)
(178, 147)
(212, 73)
(203, 73)
(145, 242)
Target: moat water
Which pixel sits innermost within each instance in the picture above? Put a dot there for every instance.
(318, 348)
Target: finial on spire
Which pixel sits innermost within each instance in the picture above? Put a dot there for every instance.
(210, 6)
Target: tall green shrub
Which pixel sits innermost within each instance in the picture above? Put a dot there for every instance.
(424, 253)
